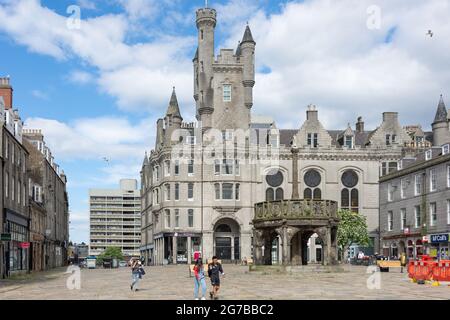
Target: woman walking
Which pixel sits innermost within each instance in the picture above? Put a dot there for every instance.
(199, 279)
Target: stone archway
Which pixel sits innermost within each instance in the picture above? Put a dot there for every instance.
(227, 240)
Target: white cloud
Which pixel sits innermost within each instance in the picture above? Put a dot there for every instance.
(87, 4)
(80, 77)
(92, 139)
(39, 94)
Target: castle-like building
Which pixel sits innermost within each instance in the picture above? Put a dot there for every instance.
(202, 180)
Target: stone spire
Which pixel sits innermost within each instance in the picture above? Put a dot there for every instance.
(173, 109)
(248, 37)
(441, 113)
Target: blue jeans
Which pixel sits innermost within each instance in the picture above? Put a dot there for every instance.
(135, 278)
(197, 284)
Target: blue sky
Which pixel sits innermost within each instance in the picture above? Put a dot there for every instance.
(97, 91)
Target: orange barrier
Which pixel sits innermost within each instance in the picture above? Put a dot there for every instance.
(441, 272)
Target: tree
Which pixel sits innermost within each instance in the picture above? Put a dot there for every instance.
(352, 230)
(110, 253)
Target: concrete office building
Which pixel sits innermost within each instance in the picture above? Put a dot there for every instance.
(115, 219)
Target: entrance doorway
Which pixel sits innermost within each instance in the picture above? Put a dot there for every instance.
(227, 242)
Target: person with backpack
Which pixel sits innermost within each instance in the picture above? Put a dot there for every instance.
(215, 270)
(199, 279)
(137, 271)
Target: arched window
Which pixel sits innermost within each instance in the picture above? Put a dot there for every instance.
(350, 194)
(269, 194)
(317, 194)
(307, 194)
(279, 194)
(223, 228)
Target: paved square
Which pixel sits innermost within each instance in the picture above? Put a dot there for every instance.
(174, 283)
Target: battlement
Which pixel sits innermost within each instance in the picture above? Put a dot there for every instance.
(206, 14)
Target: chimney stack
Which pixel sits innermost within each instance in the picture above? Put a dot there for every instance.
(6, 91)
(360, 125)
(312, 113)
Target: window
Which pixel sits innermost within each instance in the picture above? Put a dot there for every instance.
(157, 196)
(388, 167)
(227, 191)
(417, 216)
(237, 191)
(13, 189)
(177, 191)
(446, 149)
(190, 140)
(227, 167)
(448, 176)
(388, 139)
(217, 167)
(313, 140)
(433, 179)
(279, 194)
(418, 184)
(167, 168)
(167, 219)
(167, 192)
(177, 218)
(191, 167)
(390, 220)
(6, 185)
(191, 218)
(448, 211)
(349, 142)
(237, 167)
(433, 214)
(177, 167)
(19, 187)
(350, 200)
(227, 93)
(156, 173)
(217, 191)
(270, 194)
(390, 192)
(227, 135)
(428, 155)
(402, 219)
(7, 149)
(190, 191)
(403, 187)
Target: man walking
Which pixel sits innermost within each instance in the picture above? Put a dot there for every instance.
(215, 270)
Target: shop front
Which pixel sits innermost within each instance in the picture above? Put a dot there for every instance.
(18, 248)
(439, 245)
(178, 247)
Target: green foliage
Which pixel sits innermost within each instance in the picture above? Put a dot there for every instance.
(352, 229)
(110, 253)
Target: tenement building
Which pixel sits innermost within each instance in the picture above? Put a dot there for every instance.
(49, 204)
(14, 217)
(415, 199)
(201, 182)
(115, 219)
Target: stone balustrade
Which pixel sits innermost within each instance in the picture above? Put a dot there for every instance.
(296, 209)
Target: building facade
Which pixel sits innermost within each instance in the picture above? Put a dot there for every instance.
(115, 219)
(49, 206)
(201, 182)
(415, 199)
(15, 210)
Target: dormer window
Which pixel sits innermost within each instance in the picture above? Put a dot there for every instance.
(428, 155)
(446, 149)
(348, 142)
(313, 140)
(227, 93)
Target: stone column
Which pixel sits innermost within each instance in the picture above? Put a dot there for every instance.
(267, 251)
(174, 249)
(257, 247)
(286, 247)
(296, 249)
(189, 249)
(295, 193)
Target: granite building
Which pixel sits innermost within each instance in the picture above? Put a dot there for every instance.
(415, 199)
(200, 183)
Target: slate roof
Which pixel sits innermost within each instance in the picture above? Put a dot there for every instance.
(248, 37)
(441, 113)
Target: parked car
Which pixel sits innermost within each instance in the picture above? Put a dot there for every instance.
(123, 264)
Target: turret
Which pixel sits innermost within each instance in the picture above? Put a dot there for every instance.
(441, 133)
(206, 24)
(247, 51)
(173, 119)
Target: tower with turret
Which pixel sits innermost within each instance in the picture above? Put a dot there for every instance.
(441, 130)
(223, 84)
